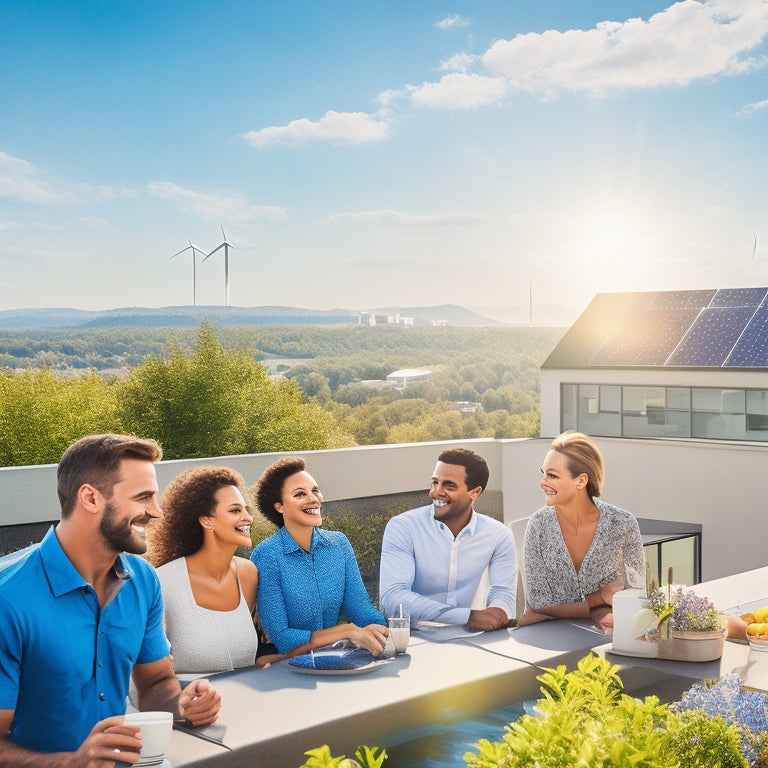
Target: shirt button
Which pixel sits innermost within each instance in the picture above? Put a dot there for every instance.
(102, 697)
(101, 664)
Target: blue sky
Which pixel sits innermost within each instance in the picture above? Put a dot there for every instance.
(379, 154)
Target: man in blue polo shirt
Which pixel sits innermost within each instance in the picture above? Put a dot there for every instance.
(82, 612)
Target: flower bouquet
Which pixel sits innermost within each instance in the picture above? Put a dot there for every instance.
(689, 627)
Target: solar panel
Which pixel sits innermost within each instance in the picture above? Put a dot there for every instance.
(711, 337)
(751, 350)
(682, 299)
(739, 297)
(645, 338)
(726, 328)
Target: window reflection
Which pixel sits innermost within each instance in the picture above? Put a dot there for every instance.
(631, 411)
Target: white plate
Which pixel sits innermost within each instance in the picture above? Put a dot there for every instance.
(356, 671)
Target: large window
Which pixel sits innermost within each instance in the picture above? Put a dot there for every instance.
(629, 411)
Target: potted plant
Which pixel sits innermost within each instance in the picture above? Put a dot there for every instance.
(690, 627)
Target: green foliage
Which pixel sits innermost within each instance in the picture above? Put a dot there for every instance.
(180, 386)
(699, 740)
(386, 420)
(365, 757)
(585, 719)
(192, 404)
(41, 414)
(218, 402)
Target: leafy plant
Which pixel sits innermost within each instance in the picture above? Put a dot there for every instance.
(585, 719)
(365, 757)
(699, 740)
(746, 710)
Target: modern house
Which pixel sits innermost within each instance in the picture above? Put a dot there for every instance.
(671, 364)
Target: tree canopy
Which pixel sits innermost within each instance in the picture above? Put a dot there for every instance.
(211, 393)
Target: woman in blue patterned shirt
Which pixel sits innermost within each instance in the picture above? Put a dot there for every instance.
(306, 574)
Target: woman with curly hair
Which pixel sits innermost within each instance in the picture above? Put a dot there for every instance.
(208, 592)
(307, 574)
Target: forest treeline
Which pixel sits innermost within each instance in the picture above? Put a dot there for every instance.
(207, 391)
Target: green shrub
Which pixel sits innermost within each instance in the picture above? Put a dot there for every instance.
(365, 757)
(585, 719)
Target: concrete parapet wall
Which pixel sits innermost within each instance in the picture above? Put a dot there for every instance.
(713, 483)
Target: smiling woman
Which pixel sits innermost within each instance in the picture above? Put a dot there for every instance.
(307, 575)
(209, 594)
(579, 551)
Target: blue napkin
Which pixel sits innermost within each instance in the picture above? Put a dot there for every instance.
(334, 658)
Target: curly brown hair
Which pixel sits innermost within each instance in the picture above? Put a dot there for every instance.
(268, 489)
(189, 496)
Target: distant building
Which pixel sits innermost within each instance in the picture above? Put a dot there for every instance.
(398, 319)
(366, 318)
(662, 364)
(467, 407)
(377, 384)
(406, 376)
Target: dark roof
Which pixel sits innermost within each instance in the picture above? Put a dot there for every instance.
(726, 328)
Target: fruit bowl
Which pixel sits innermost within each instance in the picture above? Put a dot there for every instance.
(758, 642)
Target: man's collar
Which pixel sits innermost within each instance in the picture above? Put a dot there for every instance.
(470, 527)
(62, 576)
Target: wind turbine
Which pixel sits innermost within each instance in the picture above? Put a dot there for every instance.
(194, 250)
(226, 245)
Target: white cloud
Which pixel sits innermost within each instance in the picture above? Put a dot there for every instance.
(386, 98)
(22, 181)
(232, 207)
(390, 217)
(460, 62)
(750, 109)
(452, 20)
(334, 127)
(458, 91)
(687, 41)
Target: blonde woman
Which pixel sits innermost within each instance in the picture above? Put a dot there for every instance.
(577, 547)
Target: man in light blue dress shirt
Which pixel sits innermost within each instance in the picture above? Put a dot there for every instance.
(434, 558)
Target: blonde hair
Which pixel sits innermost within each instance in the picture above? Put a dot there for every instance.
(583, 457)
